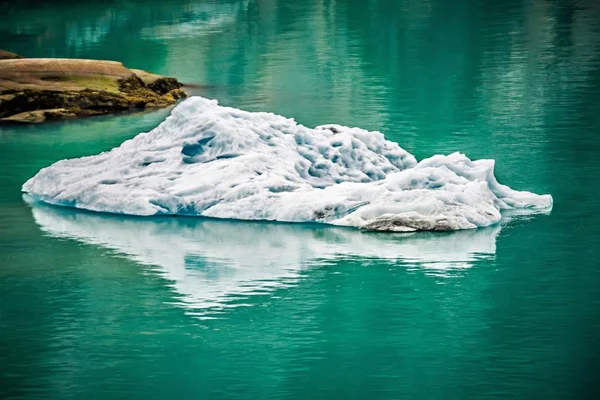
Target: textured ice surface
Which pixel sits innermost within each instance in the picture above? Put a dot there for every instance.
(212, 264)
(227, 163)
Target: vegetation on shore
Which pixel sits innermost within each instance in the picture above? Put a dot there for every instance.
(37, 90)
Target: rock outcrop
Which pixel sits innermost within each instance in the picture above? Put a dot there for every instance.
(7, 55)
(35, 90)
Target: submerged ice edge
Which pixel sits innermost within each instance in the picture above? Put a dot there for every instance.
(213, 161)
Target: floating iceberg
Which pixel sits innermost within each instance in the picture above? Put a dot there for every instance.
(213, 161)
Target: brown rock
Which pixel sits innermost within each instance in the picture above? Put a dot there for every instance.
(7, 55)
(37, 90)
(55, 114)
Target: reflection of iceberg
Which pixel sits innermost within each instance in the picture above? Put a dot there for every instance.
(81, 35)
(211, 263)
(208, 160)
(199, 19)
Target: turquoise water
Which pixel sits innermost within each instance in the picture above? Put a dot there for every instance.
(95, 306)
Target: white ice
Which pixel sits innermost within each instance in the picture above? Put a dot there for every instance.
(208, 160)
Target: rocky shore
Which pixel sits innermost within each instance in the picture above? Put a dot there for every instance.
(34, 90)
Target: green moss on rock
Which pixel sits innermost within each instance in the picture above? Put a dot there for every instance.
(82, 89)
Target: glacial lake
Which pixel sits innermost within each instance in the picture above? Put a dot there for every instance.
(101, 306)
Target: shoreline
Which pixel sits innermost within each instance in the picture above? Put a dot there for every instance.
(35, 90)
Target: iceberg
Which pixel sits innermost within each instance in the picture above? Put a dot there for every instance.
(214, 161)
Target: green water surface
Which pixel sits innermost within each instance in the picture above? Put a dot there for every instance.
(96, 306)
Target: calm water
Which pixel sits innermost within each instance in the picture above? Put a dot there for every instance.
(93, 306)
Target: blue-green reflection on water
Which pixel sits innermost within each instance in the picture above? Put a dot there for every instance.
(114, 307)
(211, 263)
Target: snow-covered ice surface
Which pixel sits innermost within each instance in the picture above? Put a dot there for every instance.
(214, 161)
(213, 265)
